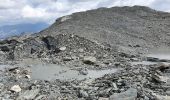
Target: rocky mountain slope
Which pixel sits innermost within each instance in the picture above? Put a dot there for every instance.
(135, 26)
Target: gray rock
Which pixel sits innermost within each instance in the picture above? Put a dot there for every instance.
(2, 56)
(27, 76)
(83, 94)
(28, 95)
(89, 60)
(114, 86)
(84, 71)
(40, 97)
(146, 98)
(81, 50)
(130, 94)
(160, 78)
(16, 88)
(162, 66)
(152, 59)
(67, 58)
(62, 48)
(1, 87)
(65, 18)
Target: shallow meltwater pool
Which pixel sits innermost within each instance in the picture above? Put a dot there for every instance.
(52, 72)
(160, 53)
(143, 63)
(43, 71)
(156, 56)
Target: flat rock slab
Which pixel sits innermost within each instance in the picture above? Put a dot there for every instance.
(28, 95)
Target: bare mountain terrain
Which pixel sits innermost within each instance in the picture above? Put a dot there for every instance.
(135, 26)
(119, 53)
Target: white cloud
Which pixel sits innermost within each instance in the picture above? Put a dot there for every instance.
(4, 4)
(20, 11)
(29, 12)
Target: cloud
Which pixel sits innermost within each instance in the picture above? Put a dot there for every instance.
(163, 5)
(5, 4)
(29, 12)
(26, 11)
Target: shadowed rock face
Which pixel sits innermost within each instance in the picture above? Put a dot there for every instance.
(50, 42)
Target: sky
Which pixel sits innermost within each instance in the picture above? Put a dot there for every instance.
(33, 11)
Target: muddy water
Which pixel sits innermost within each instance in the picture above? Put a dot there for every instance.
(52, 72)
(162, 53)
(44, 71)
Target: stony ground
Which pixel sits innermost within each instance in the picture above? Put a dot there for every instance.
(132, 82)
(139, 82)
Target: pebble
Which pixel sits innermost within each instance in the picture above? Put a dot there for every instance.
(84, 71)
(28, 76)
(62, 48)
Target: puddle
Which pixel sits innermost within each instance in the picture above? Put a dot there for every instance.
(157, 55)
(160, 53)
(52, 72)
(43, 71)
(160, 56)
(143, 63)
